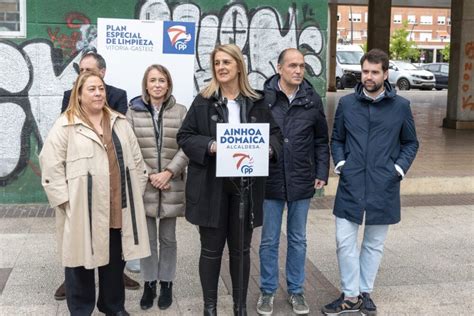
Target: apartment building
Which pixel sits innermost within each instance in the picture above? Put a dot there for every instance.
(429, 28)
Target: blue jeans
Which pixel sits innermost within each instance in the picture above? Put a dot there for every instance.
(270, 241)
(358, 268)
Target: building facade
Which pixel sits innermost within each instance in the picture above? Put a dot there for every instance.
(429, 28)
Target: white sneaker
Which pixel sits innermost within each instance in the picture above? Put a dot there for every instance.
(265, 304)
(298, 302)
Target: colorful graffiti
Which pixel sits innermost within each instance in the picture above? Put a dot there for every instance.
(35, 73)
(467, 101)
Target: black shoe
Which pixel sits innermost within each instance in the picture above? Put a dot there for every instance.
(149, 294)
(129, 283)
(236, 310)
(166, 295)
(60, 293)
(340, 306)
(210, 306)
(121, 313)
(368, 307)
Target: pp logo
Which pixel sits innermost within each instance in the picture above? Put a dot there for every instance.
(244, 163)
(178, 37)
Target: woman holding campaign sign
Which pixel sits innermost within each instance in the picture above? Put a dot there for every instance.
(212, 202)
(156, 117)
(94, 176)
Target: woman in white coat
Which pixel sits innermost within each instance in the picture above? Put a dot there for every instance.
(94, 176)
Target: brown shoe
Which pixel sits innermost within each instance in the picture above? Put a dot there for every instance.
(60, 293)
(129, 283)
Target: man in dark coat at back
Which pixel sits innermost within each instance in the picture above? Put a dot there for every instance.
(373, 145)
(303, 167)
(117, 100)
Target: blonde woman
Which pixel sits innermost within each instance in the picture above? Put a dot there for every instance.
(94, 176)
(213, 203)
(155, 118)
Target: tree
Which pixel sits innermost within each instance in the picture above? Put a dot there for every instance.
(445, 52)
(401, 47)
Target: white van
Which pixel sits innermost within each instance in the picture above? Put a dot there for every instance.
(348, 65)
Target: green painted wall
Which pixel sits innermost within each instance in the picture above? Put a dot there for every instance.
(34, 72)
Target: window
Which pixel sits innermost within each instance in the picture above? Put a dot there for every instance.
(338, 17)
(441, 20)
(449, 21)
(425, 36)
(357, 35)
(426, 19)
(12, 18)
(412, 19)
(355, 17)
(397, 19)
(444, 69)
(366, 17)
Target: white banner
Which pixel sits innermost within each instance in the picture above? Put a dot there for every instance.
(242, 150)
(130, 46)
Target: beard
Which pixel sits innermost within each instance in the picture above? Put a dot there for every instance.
(374, 88)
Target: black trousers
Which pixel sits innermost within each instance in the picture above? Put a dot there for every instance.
(213, 242)
(80, 284)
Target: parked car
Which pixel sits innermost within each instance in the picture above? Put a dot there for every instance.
(405, 76)
(441, 73)
(348, 65)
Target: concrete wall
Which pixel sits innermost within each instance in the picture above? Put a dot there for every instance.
(34, 72)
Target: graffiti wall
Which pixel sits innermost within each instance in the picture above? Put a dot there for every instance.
(35, 72)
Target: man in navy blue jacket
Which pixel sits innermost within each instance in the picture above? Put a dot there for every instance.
(303, 167)
(116, 98)
(373, 145)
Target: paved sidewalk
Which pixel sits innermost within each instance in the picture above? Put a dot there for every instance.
(426, 270)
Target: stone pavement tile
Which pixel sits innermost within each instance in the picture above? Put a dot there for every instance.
(426, 299)
(394, 276)
(50, 276)
(11, 246)
(36, 293)
(45, 225)
(4, 274)
(15, 225)
(36, 310)
(38, 250)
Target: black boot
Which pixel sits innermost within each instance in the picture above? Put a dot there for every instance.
(210, 306)
(236, 310)
(149, 294)
(166, 295)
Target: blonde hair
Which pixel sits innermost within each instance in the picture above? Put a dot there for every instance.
(243, 81)
(166, 73)
(74, 107)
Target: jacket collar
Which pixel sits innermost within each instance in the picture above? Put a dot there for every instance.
(303, 95)
(77, 121)
(139, 105)
(390, 93)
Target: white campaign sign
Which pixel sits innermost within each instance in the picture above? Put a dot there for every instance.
(242, 150)
(130, 46)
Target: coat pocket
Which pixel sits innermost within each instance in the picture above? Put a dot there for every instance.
(77, 164)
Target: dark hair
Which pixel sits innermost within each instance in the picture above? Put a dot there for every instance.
(92, 51)
(376, 56)
(281, 57)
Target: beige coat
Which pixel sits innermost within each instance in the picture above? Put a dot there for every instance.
(75, 169)
(161, 154)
